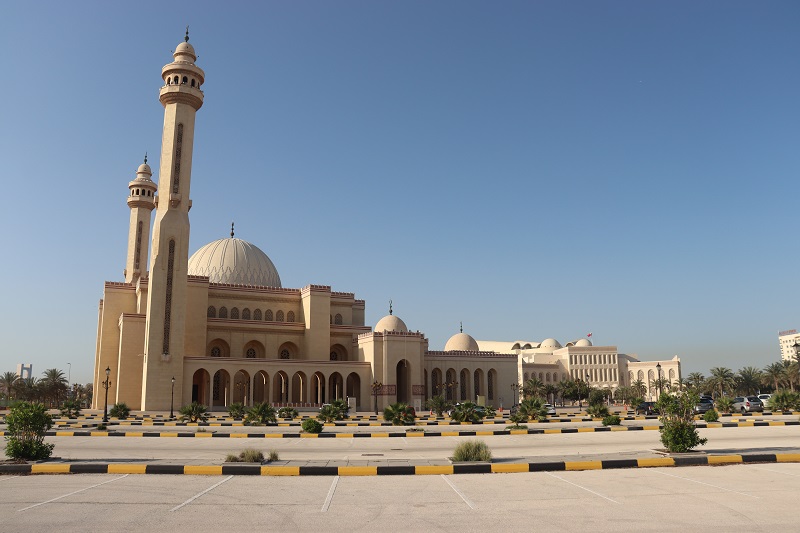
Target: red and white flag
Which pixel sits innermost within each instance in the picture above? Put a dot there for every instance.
(588, 334)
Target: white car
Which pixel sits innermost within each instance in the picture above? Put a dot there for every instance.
(764, 398)
(550, 409)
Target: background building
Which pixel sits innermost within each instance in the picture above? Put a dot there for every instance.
(786, 341)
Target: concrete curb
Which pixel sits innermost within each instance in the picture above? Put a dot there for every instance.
(403, 470)
(409, 434)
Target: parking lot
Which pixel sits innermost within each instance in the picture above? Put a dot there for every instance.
(730, 498)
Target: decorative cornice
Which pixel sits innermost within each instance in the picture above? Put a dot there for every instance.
(458, 354)
(180, 94)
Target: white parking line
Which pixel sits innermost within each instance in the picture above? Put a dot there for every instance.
(6, 478)
(581, 487)
(774, 471)
(463, 497)
(704, 483)
(193, 498)
(330, 494)
(71, 493)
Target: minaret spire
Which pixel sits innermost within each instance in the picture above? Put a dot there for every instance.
(390, 307)
(186, 39)
(461, 327)
(231, 230)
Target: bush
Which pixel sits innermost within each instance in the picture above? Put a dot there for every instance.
(472, 450)
(439, 404)
(261, 414)
(784, 400)
(711, 415)
(678, 432)
(119, 410)
(287, 412)
(724, 404)
(342, 407)
(611, 420)
(598, 396)
(273, 456)
(248, 455)
(236, 410)
(70, 408)
(400, 414)
(195, 412)
(310, 425)
(328, 413)
(467, 412)
(532, 409)
(597, 410)
(518, 417)
(27, 424)
(491, 412)
(516, 426)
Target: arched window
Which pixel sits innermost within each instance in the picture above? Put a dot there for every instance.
(285, 354)
(212, 312)
(176, 80)
(334, 356)
(490, 384)
(337, 319)
(223, 312)
(169, 81)
(185, 79)
(257, 314)
(251, 353)
(235, 313)
(245, 314)
(290, 316)
(268, 315)
(216, 352)
(279, 316)
(192, 82)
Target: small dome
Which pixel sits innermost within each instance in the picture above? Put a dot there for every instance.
(234, 261)
(550, 343)
(144, 168)
(583, 342)
(390, 323)
(461, 342)
(185, 49)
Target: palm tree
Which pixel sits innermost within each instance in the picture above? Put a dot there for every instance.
(748, 380)
(53, 383)
(533, 387)
(399, 414)
(722, 379)
(8, 382)
(774, 375)
(793, 374)
(639, 388)
(29, 389)
(696, 381)
(550, 392)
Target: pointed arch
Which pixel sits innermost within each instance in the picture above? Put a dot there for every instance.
(261, 387)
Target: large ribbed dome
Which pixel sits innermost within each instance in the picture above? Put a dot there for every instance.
(234, 261)
(391, 323)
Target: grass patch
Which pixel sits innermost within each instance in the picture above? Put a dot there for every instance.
(248, 455)
(472, 451)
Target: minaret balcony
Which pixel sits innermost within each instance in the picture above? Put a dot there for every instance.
(181, 94)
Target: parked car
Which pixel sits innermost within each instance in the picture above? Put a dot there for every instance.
(480, 409)
(550, 409)
(747, 404)
(705, 404)
(764, 398)
(646, 408)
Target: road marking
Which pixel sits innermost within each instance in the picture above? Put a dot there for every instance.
(704, 483)
(193, 498)
(774, 471)
(463, 497)
(5, 478)
(71, 493)
(582, 487)
(327, 503)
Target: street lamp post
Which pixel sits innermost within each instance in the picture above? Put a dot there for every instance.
(172, 399)
(106, 384)
(515, 387)
(376, 386)
(69, 379)
(658, 368)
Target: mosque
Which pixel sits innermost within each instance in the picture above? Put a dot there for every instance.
(217, 326)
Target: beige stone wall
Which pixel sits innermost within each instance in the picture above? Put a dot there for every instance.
(503, 366)
(131, 357)
(118, 298)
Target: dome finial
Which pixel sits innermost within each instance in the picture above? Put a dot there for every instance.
(390, 307)
(145, 158)
(461, 327)
(231, 230)
(186, 39)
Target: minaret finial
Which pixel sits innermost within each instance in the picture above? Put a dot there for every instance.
(390, 307)
(186, 39)
(461, 327)
(231, 230)
(145, 158)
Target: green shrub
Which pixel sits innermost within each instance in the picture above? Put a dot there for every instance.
(310, 425)
(342, 407)
(467, 412)
(194, 412)
(518, 417)
(329, 413)
(784, 400)
(119, 410)
(248, 455)
(598, 396)
(491, 412)
(532, 409)
(678, 432)
(70, 408)
(439, 404)
(724, 404)
(597, 410)
(261, 414)
(273, 456)
(472, 450)
(399, 414)
(236, 410)
(231, 458)
(711, 415)
(27, 424)
(611, 420)
(287, 412)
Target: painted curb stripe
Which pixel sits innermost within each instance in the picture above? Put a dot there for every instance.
(398, 470)
(547, 467)
(201, 470)
(655, 461)
(788, 457)
(127, 469)
(358, 470)
(425, 470)
(509, 468)
(724, 459)
(241, 470)
(280, 470)
(583, 465)
(50, 469)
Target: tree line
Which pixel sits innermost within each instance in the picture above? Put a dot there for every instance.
(51, 389)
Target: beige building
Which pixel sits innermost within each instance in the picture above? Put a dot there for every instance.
(788, 342)
(218, 327)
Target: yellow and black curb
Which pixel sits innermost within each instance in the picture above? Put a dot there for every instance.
(410, 434)
(394, 470)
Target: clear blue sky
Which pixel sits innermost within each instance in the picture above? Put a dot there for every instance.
(533, 169)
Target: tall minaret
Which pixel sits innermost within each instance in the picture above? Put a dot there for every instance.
(141, 200)
(166, 298)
